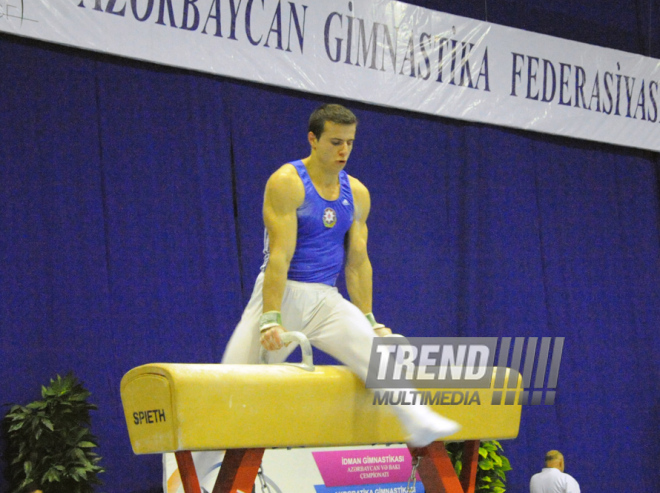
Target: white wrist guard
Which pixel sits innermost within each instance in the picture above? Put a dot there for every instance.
(269, 320)
(372, 320)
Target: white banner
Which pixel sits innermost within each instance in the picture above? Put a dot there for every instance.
(382, 52)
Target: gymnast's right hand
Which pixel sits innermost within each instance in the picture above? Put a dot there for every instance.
(270, 338)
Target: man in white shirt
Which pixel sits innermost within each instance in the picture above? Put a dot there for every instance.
(553, 479)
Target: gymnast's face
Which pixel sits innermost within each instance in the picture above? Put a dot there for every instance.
(335, 145)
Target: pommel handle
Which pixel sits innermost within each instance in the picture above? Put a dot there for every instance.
(305, 347)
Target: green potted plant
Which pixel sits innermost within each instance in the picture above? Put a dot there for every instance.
(492, 467)
(49, 444)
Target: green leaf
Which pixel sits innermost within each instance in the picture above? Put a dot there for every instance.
(483, 453)
(496, 459)
(16, 414)
(16, 427)
(48, 424)
(485, 465)
(51, 476)
(80, 455)
(26, 482)
(86, 445)
(489, 446)
(37, 405)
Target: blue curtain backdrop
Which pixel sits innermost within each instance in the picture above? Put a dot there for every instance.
(130, 232)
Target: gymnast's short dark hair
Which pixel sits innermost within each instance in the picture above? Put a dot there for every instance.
(334, 113)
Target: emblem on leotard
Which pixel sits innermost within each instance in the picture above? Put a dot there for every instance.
(329, 217)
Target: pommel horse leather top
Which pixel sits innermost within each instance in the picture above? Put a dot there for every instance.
(246, 408)
(170, 407)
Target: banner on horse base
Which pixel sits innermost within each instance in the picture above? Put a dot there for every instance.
(374, 469)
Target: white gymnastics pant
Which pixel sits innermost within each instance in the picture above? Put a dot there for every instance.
(331, 323)
(335, 326)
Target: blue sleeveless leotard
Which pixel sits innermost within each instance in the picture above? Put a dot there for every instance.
(322, 227)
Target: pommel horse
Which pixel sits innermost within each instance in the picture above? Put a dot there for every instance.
(245, 409)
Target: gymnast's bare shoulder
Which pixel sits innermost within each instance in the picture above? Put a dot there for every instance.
(285, 188)
(361, 198)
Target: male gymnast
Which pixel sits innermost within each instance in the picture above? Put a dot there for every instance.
(315, 214)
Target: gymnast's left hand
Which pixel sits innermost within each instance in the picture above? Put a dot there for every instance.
(270, 339)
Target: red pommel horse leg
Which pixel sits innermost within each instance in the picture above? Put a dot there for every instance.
(437, 472)
(237, 474)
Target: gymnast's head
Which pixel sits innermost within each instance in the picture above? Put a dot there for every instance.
(555, 459)
(334, 113)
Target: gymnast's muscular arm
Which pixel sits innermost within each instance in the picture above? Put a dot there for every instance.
(284, 194)
(358, 269)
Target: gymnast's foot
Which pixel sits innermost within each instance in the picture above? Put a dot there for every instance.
(430, 428)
